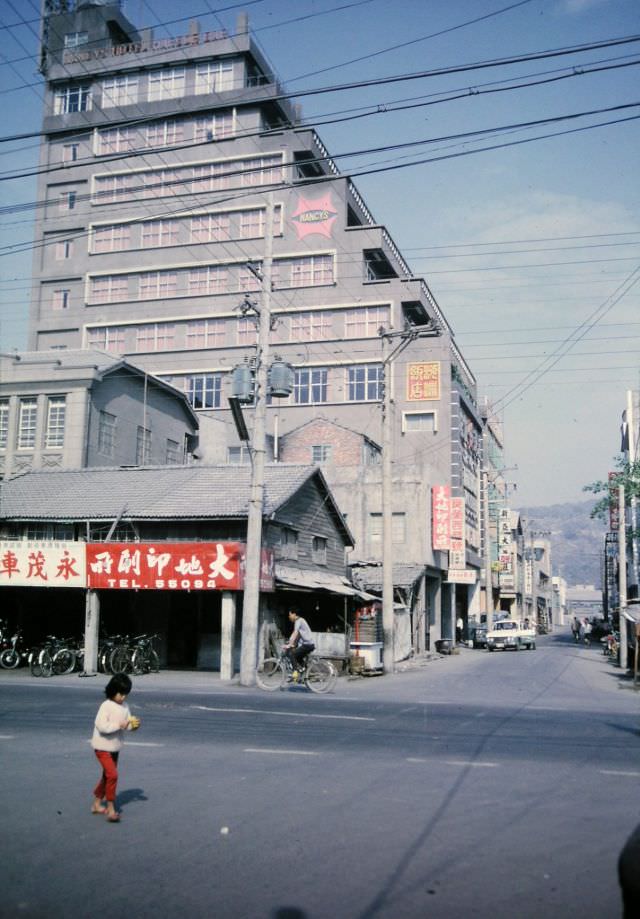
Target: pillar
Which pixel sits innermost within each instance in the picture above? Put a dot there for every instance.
(227, 638)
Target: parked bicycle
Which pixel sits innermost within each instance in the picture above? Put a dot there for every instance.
(135, 655)
(317, 674)
(14, 651)
(55, 656)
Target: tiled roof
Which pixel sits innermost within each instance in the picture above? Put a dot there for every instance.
(167, 492)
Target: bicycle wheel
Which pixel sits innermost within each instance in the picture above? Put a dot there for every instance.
(46, 662)
(320, 676)
(154, 662)
(9, 659)
(140, 662)
(120, 660)
(271, 674)
(34, 663)
(64, 661)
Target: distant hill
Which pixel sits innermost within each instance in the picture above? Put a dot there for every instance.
(577, 541)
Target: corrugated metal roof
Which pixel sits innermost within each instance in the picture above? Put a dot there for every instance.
(178, 492)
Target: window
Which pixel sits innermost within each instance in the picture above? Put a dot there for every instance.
(365, 322)
(158, 284)
(75, 39)
(371, 454)
(252, 224)
(248, 281)
(214, 127)
(107, 338)
(121, 90)
(67, 201)
(205, 333)
(398, 529)
(288, 543)
(165, 133)
(107, 434)
(115, 187)
(315, 326)
(56, 411)
(72, 98)
(109, 288)
(61, 299)
(364, 384)
(214, 77)
(143, 445)
(114, 238)
(117, 140)
(210, 228)
(156, 336)
(203, 390)
(70, 153)
(64, 249)
(214, 279)
(419, 421)
(166, 84)
(319, 550)
(27, 418)
(174, 453)
(308, 271)
(240, 455)
(160, 233)
(247, 331)
(310, 386)
(321, 453)
(50, 531)
(4, 424)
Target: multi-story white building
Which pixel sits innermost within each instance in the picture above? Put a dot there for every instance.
(159, 158)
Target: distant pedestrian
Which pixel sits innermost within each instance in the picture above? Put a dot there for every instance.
(587, 631)
(459, 629)
(112, 720)
(575, 629)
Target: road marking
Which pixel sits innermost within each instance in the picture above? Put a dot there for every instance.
(281, 752)
(137, 743)
(461, 762)
(634, 775)
(260, 711)
(7, 736)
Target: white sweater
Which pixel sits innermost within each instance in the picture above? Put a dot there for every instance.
(108, 731)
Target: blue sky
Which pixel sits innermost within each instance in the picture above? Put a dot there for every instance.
(521, 245)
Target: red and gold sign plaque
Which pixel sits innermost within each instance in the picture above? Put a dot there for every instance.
(423, 382)
(314, 216)
(172, 566)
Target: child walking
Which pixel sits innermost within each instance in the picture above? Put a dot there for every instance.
(112, 720)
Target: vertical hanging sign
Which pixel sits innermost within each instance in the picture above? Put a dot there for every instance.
(458, 546)
(441, 517)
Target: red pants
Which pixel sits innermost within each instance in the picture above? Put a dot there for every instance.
(106, 787)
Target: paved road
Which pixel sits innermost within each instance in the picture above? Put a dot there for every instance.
(481, 785)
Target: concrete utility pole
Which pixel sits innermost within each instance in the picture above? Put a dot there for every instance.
(406, 336)
(487, 549)
(251, 602)
(622, 577)
(632, 426)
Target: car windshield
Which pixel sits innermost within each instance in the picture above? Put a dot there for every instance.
(505, 626)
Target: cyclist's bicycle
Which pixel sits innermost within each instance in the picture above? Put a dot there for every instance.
(315, 673)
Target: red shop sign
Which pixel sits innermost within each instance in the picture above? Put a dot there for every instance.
(170, 566)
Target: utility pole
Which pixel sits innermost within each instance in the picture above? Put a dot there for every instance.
(632, 424)
(487, 549)
(622, 577)
(251, 602)
(406, 336)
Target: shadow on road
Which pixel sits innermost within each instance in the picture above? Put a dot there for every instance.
(288, 912)
(130, 795)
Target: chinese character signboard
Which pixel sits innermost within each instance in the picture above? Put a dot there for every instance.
(172, 566)
(42, 564)
(462, 576)
(457, 547)
(423, 381)
(440, 517)
(614, 510)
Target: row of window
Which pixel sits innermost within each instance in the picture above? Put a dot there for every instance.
(166, 133)
(243, 172)
(312, 386)
(154, 86)
(302, 271)
(27, 423)
(108, 436)
(314, 325)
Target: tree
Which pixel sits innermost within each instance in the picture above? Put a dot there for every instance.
(627, 475)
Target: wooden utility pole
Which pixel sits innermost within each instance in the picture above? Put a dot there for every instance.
(251, 601)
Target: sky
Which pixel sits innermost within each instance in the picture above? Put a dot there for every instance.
(515, 192)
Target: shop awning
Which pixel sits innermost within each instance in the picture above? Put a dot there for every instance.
(306, 579)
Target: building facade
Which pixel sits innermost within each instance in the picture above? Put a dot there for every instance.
(165, 166)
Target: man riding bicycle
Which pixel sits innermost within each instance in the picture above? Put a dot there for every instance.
(300, 643)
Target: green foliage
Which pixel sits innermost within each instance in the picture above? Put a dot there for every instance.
(628, 475)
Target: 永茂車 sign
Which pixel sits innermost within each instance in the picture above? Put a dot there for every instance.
(42, 564)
